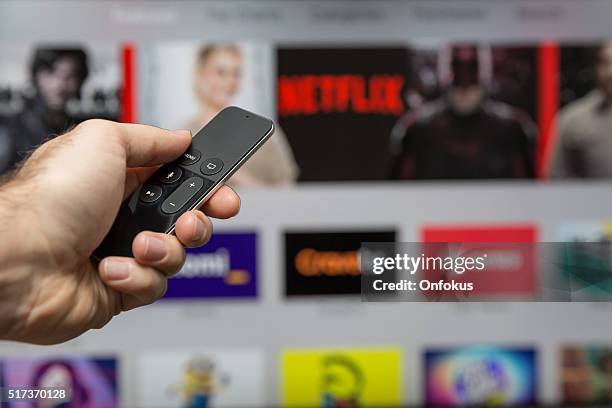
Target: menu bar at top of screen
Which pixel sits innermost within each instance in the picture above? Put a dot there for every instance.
(305, 20)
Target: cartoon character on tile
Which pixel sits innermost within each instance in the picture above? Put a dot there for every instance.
(343, 382)
(201, 382)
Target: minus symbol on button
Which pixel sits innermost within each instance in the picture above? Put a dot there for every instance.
(172, 204)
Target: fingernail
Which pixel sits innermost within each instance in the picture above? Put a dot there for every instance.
(200, 230)
(155, 249)
(116, 270)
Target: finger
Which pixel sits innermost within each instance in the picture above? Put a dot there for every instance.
(160, 251)
(138, 284)
(149, 145)
(225, 203)
(193, 229)
(135, 177)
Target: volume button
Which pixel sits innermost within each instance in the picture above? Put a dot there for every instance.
(179, 197)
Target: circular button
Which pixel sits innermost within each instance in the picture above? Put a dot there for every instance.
(169, 174)
(150, 193)
(211, 166)
(191, 156)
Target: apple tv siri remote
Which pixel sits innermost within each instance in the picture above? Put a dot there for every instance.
(216, 152)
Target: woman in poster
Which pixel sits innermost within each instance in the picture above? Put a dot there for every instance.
(217, 79)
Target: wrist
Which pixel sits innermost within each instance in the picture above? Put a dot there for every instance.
(17, 259)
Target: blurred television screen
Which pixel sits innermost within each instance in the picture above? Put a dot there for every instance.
(457, 128)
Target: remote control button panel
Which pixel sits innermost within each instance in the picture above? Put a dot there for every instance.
(216, 151)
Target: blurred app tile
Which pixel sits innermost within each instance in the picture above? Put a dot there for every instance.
(89, 382)
(586, 375)
(210, 77)
(326, 262)
(225, 267)
(199, 379)
(45, 89)
(510, 254)
(480, 376)
(351, 377)
(584, 259)
(405, 113)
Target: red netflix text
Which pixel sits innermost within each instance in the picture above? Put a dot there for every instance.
(312, 94)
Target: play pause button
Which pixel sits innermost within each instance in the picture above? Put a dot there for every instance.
(150, 193)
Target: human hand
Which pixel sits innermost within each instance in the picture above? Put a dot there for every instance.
(57, 210)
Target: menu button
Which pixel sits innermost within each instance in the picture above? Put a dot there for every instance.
(191, 156)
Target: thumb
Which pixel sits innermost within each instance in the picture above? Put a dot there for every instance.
(149, 145)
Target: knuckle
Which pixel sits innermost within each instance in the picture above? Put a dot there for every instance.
(95, 124)
(98, 128)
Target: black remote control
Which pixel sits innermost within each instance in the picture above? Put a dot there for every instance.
(216, 152)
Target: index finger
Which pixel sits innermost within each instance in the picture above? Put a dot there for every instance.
(149, 145)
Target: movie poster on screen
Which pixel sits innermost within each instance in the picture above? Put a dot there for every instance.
(480, 376)
(89, 382)
(177, 87)
(406, 113)
(185, 84)
(581, 146)
(326, 262)
(351, 377)
(47, 88)
(201, 378)
(226, 267)
(339, 105)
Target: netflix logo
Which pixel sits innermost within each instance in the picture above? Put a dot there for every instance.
(312, 94)
(348, 100)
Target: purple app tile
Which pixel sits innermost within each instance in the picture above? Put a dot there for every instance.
(225, 267)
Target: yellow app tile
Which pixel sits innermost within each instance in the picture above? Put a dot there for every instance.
(352, 377)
